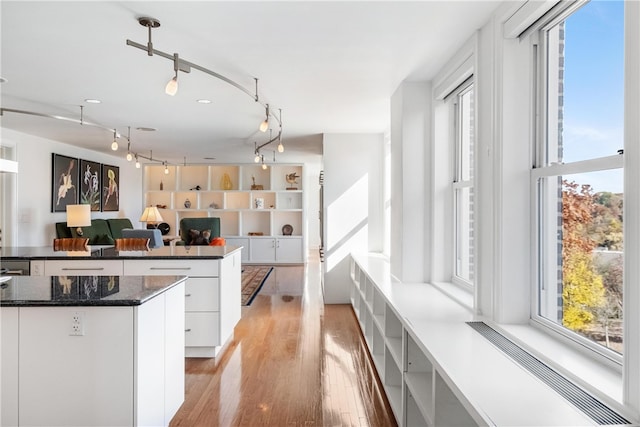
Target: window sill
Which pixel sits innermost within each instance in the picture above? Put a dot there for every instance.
(460, 295)
(605, 382)
(602, 380)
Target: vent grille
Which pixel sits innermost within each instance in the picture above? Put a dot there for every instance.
(592, 407)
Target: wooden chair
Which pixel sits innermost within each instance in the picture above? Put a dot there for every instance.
(71, 244)
(132, 244)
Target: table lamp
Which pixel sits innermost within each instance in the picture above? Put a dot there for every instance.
(79, 216)
(151, 215)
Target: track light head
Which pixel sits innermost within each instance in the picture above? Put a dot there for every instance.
(280, 147)
(129, 157)
(114, 145)
(265, 124)
(172, 86)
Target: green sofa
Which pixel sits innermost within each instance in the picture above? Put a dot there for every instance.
(101, 231)
(198, 224)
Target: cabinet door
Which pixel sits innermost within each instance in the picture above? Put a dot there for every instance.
(240, 241)
(202, 329)
(263, 250)
(9, 339)
(289, 250)
(202, 294)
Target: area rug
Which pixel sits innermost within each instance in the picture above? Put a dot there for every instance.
(253, 277)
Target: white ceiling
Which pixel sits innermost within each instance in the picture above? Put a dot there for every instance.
(329, 66)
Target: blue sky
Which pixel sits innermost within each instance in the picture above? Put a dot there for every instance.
(593, 91)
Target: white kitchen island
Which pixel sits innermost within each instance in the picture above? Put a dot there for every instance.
(91, 350)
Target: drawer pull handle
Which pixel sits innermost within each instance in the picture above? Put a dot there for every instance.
(187, 330)
(170, 268)
(187, 295)
(82, 269)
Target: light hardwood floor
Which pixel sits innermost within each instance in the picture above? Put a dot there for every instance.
(293, 362)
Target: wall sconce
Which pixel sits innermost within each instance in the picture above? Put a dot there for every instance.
(151, 215)
(79, 216)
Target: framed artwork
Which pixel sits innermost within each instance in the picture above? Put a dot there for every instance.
(90, 184)
(110, 188)
(64, 180)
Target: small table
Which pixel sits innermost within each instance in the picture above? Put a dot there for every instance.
(170, 240)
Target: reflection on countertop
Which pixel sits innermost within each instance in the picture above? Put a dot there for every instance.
(25, 291)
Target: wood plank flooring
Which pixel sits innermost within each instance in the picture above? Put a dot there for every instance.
(293, 362)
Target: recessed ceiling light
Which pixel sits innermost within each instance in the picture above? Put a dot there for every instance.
(144, 129)
(3, 80)
(204, 101)
(92, 101)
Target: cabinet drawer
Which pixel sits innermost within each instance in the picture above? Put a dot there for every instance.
(201, 329)
(87, 267)
(202, 294)
(180, 267)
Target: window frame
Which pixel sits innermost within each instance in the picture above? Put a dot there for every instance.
(541, 170)
(459, 184)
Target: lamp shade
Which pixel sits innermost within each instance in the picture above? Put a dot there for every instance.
(151, 215)
(78, 215)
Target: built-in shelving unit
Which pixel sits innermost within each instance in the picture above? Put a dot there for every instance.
(254, 205)
(434, 368)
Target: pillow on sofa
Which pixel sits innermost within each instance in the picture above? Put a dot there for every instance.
(103, 239)
(197, 237)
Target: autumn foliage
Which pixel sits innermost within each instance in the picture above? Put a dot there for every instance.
(583, 291)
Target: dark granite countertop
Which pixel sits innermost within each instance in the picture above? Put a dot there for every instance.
(28, 291)
(109, 252)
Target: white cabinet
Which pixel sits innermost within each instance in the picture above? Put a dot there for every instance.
(251, 202)
(210, 314)
(126, 369)
(281, 250)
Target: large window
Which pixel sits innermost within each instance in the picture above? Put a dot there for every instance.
(463, 197)
(578, 176)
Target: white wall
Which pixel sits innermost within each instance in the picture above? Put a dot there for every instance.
(410, 180)
(353, 206)
(35, 221)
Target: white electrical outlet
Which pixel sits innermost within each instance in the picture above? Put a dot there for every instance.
(77, 324)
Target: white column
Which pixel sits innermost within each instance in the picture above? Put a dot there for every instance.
(410, 188)
(353, 206)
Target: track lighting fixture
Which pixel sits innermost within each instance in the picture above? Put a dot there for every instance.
(137, 162)
(265, 124)
(114, 144)
(172, 86)
(186, 66)
(129, 155)
(280, 147)
(166, 168)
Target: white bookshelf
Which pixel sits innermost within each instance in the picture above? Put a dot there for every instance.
(253, 205)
